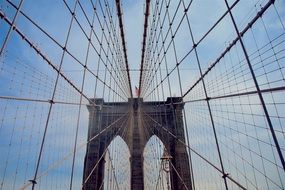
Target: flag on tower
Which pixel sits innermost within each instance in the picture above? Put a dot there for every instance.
(137, 91)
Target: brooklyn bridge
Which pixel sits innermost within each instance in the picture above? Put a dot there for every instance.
(142, 95)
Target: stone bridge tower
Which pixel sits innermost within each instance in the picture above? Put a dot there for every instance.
(136, 135)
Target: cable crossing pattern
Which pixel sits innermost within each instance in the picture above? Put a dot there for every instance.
(207, 110)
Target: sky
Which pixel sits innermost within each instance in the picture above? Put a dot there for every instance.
(242, 127)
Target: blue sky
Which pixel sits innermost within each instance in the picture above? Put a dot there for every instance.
(24, 74)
